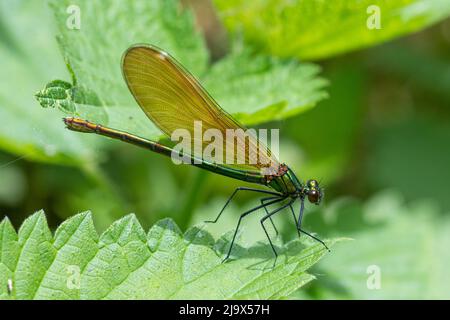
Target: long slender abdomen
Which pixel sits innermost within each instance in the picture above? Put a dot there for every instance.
(81, 125)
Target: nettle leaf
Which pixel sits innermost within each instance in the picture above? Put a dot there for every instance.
(254, 89)
(400, 251)
(257, 89)
(126, 263)
(318, 29)
(93, 36)
(29, 57)
(63, 95)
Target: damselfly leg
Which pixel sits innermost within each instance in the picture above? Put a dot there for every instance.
(243, 216)
(299, 224)
(235, 192)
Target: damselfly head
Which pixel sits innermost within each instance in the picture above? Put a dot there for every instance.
(313, 191)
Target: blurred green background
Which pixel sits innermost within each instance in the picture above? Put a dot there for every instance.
(373, 125)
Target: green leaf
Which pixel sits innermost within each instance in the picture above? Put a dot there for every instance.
(94, 61)
(404, 246)
(246, 86)
(9, 253)
(62, 95)
(319, 29)
(126, 263)
(261, 89)
(29, 57)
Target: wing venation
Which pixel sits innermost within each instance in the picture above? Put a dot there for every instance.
(173, 99)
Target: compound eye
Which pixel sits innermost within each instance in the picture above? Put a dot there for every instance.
(312, 183)
(313, 196)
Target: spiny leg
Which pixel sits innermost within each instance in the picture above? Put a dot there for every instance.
(267, 212)
(295, 218)
(234, 193)
(240, 219)
(300, 215)
(271, 220)
(299, 224)
(315, 238)
(268, 216)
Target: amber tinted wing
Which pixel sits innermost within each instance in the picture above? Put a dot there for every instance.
(173, 99)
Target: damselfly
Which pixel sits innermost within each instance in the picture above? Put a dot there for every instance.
(173, 99)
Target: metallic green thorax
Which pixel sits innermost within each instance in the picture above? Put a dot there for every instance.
(286, 183)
